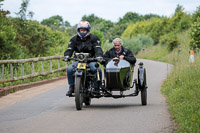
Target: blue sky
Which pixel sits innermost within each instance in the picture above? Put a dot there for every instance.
(73, 10)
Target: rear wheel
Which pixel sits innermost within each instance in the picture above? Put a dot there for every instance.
(78, 93)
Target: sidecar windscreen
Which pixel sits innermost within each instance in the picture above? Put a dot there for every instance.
(116, 65)
(118, 75)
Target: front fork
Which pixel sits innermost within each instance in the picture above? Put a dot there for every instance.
(98, 75)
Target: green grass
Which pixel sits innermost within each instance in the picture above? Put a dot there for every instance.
(182, 89)
(182, 86)
(154, 53)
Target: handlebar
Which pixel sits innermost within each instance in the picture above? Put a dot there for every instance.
(76, 59)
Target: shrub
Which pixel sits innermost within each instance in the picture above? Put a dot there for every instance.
(170, 40)
(137, 43)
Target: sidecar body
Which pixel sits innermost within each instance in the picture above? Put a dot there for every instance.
(118, 75)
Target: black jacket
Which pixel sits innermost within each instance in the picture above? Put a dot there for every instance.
(128, 55)
(90, 45)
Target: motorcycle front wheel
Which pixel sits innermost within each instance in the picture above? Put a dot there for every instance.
(78, 93)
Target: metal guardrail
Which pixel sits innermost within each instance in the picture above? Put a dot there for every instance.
(34, 74)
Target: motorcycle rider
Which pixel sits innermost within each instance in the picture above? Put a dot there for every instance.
(84, 42)
(119, 52)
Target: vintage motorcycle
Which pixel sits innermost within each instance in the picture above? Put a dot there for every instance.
(118, 76)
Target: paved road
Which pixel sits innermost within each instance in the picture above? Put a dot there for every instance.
(53, 112)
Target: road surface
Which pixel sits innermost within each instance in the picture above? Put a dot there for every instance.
(46, 109)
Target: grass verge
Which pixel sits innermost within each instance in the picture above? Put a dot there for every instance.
(182, 86)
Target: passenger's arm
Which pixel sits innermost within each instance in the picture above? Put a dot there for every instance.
(130, 57)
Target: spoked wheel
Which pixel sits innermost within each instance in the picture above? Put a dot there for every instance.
(78, 93)
(143, 86)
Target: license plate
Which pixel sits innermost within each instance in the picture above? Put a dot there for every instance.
(81, 65)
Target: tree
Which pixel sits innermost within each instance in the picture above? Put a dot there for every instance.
(67, 24)
(130, 17)
(196, 14)
(179, 8)
(116, 31)
(56, 23)
(23, 13)
(7, 35)
(53, 22)
(92, 19)
(195, 32)
(150, 16)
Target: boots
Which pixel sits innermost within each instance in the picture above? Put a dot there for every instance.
(71, 90)
(96, 91)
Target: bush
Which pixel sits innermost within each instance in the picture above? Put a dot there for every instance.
(137, 43)
(170, 40)
(107, 46)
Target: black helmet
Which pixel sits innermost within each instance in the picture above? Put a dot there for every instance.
(83, 25)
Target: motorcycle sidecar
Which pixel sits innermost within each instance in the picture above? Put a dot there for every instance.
(118, 75)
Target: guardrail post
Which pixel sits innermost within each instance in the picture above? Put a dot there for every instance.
(3, 69)
(33, 68)
(42, 66)
(22, 72)
(58, 67)
(50, 65)
(3, 72)
(11, 74)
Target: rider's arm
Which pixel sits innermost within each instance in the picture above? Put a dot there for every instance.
(71, 47)
(97, 47)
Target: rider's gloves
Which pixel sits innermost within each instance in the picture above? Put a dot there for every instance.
(99, 59)
(66, 58)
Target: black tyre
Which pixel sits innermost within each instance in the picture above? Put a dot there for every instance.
(144, 96)
(78, 93)
(143, 87)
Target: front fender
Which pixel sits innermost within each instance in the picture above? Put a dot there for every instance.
(78, 73)
(141, 75)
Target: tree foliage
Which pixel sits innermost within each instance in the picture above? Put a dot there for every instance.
(196, 14)
(56, 23)
(130, 17)
(7, 36)
(195, 35)
(161, 29)
(23, 12)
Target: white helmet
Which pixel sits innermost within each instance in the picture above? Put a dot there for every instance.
(83, 25)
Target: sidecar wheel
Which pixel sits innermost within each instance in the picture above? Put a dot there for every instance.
(144, 96)
(142, 83)
(78, 93)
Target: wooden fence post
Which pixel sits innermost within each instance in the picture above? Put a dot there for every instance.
(42, 65)
(22, 72)
(33, 68)
(11, 73)
(58, 67)
(3, 72)
(50, 65)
